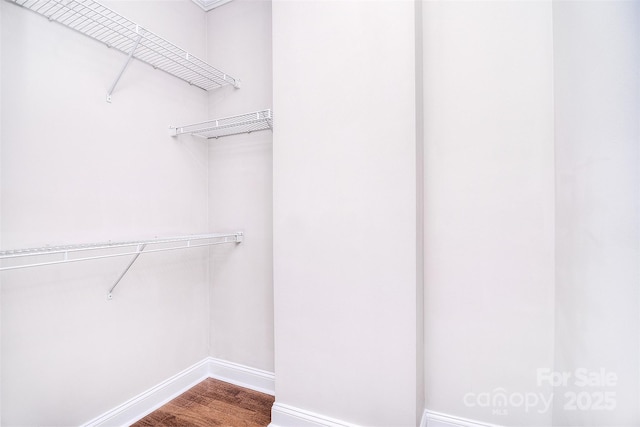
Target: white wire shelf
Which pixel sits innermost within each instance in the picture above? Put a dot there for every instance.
(51, 255)
(103, 24)
(243, 123)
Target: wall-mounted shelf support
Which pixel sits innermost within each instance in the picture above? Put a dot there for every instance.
(51, 255)
(139, 250)
(114, 30)
(124, 66)
(243, 123)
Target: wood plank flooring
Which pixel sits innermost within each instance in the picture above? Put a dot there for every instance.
(213, 403)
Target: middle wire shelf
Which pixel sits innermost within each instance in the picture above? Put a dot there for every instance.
(242, 123)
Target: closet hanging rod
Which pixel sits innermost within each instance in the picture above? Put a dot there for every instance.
(118, 248)
(233, 125)
(114, 30)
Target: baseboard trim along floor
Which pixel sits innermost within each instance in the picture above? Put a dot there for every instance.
(143, 404)
(282, 415)
(438, 419)
(288, 416)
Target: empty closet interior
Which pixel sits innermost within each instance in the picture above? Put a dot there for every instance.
(382, 213)
(136, 216)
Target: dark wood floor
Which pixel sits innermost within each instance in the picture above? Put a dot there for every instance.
(213, 403)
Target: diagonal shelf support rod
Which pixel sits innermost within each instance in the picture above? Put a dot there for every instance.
(138, 252)
(124, 66)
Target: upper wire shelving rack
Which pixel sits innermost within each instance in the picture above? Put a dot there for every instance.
(103, 24)
(243, 123)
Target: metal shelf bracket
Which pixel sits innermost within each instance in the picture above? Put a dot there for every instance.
(126, 63)
(139, 250)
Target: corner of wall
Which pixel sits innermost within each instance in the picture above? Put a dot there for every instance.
(239, 191)
(208, 199)
(419, 76)
(1, 6)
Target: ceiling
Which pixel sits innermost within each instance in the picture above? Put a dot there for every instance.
(207, 5)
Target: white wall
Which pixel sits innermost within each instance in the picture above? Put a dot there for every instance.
(240, 188)
(597, 106)
(420, 222)
(489, 205)
(532, 237)
(345, 209)
(1, 8)
(76, 169)
(525, 237)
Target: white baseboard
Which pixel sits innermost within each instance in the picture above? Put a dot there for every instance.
(136, 408)
(243, 376)
(282, 415)
(288, 416)
(437, 419)
(148, 401)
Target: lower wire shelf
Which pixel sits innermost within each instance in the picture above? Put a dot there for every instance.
(51, 255)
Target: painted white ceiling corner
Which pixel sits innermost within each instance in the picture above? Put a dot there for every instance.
(207, 5)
